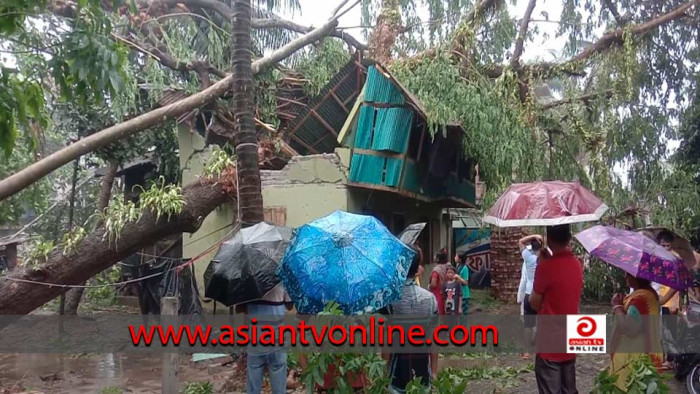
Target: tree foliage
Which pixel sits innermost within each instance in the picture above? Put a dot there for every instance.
(612, 102)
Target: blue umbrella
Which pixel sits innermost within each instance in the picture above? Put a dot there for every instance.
(351, 259)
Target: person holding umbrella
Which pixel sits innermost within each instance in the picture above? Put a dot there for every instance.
(559, 274)
(669, 298)
(632, 331)
(416, 303)
(556, 291)
(644, 261)
(274, 305)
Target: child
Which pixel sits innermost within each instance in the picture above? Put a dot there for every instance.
(452, 292)
(463, 278)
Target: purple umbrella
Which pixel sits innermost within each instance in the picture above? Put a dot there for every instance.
(636, 254)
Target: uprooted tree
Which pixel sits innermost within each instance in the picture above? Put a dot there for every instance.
(612, 96)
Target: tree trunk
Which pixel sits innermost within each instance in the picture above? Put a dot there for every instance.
(73, 296)
(95, 253)
(29, 175)
(383, 38)
(244, 137)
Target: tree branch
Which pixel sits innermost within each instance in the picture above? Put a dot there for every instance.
(29, 175)
(610, 39)
(522, 33)
(224, 10)
(613, 10)
(95, 253)
(170, 62)
(585, 98)
(480, 9)
(289, 25)
(615, 37)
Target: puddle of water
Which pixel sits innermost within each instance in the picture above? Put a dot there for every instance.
(80, 374)
(61, 373)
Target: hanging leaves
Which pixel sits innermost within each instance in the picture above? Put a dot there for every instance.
(21, 104)
(89, 65)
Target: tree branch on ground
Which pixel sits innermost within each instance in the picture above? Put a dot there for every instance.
(29, 175)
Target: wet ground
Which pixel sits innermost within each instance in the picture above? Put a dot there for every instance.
(134, 373)
(130, 373)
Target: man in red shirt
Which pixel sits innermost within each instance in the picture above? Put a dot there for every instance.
(556, 292)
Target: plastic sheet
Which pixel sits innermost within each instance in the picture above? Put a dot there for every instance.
(637, 255)
(245, 267)
(171, 284)
(350, 259)
(545, 204)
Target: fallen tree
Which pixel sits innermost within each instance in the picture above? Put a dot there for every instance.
(95, 253)
(27, 176)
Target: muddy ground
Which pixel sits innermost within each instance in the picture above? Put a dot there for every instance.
(105, 373)
(134, 373)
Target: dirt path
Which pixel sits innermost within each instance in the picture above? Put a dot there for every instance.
(132, 373)
(129, 373)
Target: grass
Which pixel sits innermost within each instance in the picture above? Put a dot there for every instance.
(198, 388)
(482, 298)
(111, 390)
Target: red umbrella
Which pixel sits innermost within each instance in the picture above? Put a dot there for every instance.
(545, 204)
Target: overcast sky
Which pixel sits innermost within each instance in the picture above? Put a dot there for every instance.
(317, 12)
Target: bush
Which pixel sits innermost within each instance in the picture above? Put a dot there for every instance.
(601, 281)
(643, 379)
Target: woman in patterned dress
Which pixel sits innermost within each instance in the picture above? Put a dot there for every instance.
(634, 330)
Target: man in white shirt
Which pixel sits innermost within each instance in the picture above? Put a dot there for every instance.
(530, 247)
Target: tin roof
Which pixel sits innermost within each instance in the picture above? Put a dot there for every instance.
(317, 125)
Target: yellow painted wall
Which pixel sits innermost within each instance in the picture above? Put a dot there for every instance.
(308, 188)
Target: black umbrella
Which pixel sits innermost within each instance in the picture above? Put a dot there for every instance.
(244, 268)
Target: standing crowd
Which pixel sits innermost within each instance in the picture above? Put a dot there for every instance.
(551, 284)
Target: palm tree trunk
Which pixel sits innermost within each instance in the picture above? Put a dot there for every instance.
(244, 136)
(73, 296)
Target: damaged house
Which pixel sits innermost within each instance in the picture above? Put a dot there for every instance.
(362, 145)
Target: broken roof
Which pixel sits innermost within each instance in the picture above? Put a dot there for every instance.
(317, 125)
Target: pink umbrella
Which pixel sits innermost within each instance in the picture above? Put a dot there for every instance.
(547, 203)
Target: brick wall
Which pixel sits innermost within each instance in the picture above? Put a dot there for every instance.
(506, 263)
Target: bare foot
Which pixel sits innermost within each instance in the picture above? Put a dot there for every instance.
(526, 356)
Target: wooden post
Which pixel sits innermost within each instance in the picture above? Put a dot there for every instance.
(170, 385)
(62, 303)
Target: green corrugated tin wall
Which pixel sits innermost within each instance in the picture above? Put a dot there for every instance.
(411, 179)
(393, 172)
(365, 125)
(381, 90)
(392, 128)
(367, 169)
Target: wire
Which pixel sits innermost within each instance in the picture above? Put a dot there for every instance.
(177, 268)
(213, 232)
(87, 286)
